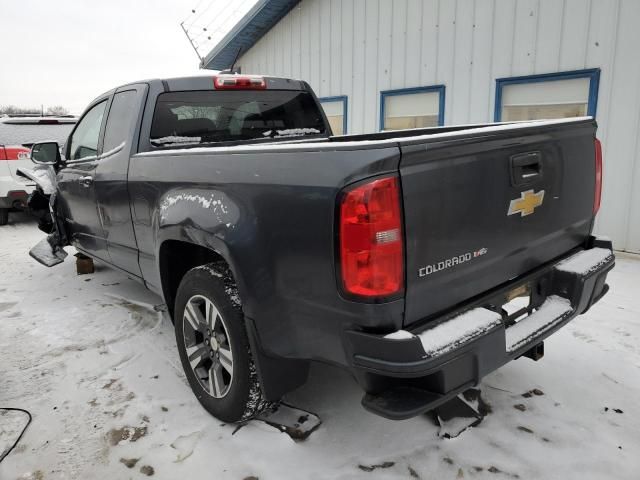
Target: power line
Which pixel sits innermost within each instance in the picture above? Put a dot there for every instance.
(206, 29)
(194, 10)
(202, 35)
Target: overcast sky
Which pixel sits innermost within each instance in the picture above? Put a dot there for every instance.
(65, 52)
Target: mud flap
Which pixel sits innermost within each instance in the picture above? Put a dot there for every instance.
(296, 423)
(460, 413)
(48, 252)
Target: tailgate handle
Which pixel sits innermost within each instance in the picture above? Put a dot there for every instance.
(526, 168)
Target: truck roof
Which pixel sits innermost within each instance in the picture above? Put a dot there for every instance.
(204, 81)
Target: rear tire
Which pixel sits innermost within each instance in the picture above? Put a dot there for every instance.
(4, 216)
(214, 347)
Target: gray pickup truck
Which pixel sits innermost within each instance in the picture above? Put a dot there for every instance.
(419, 260)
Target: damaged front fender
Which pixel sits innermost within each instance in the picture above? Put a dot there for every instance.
(49, 251)
(43, 175)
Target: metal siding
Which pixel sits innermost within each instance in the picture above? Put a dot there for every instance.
(524, 45)
(631, 34)
(462, 63)
(482, 59)
(446, 55)
(296, 42)
(575, 32)
(370, 85)
(346, 72)
(335, 44)
(620, 202)
(414, 42)
(384, 47)
(363, 48)
(289, 47)
(550, 19)
(314, 46)
(324, 44)
(429, 43)
(359, 64)
(503, 23)
(398, 44)
(305, 41)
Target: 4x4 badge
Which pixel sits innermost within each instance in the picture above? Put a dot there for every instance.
(526, 204)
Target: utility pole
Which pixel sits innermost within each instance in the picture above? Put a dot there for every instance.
(192, 44)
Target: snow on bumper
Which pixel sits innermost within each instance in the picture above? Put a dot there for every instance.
(553, 310)
(453, 333)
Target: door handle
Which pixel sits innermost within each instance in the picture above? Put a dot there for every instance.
(86, 181)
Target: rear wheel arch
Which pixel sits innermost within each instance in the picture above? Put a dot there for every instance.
(177, 257)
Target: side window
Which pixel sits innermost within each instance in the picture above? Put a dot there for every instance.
(335, 108)
(124, 109)
(84, 141)
(550, 95)
(416, 107)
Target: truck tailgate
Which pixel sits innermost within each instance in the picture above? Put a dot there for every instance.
(485, 207)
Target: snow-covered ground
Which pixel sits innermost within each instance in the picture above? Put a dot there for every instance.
(97, 368)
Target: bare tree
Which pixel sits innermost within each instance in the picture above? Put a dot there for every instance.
(57, 110)
(13, 110)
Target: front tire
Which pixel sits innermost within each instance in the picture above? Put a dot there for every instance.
(213, 344)
(4, 216)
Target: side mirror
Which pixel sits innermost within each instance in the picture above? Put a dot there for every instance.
(45, 153)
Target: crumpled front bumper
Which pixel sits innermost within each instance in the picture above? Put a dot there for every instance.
(414, 372)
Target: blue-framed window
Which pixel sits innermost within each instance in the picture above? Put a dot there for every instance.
(549, 95)
(415, 107)
(336, 110)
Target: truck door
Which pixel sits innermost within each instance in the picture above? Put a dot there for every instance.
(112, 193)
(77, 199)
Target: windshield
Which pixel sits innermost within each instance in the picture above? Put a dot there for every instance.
(195, 117)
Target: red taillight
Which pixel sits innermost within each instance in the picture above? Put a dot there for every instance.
(598, 192)
(371, 244)
(16, 153)
(233, 82)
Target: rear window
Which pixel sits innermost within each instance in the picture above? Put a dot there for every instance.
(196, 117)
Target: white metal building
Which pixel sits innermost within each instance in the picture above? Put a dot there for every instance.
(380, 64)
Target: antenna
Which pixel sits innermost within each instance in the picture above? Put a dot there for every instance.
(191, 42)
(235, 60)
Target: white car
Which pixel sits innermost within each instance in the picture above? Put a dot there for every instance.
(14, 189)
(16, 136)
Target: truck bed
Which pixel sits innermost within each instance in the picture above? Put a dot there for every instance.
(457, 188)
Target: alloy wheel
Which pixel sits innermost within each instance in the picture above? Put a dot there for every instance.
(206, 340)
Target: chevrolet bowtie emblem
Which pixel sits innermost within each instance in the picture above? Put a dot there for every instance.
(526, 204)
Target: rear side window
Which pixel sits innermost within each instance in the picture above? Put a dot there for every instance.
(195, 117)
(124, 109)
